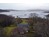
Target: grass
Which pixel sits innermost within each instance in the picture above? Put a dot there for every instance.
(24, 22)
(7, 30)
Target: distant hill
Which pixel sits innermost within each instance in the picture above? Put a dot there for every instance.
(4, 10)
(8, 10)
(35, 10)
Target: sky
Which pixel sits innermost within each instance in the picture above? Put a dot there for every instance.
(24, 4)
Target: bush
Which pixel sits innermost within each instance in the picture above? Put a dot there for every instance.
(18, 20)
(30, 21)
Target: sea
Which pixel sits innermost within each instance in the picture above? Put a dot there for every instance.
(24, 14)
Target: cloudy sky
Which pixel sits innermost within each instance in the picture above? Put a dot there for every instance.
(24, 4)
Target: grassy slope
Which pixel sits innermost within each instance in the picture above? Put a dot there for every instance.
(7, 30)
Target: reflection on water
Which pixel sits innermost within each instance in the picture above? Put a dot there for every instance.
(24, 14)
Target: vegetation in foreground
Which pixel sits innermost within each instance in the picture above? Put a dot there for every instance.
(38, 27)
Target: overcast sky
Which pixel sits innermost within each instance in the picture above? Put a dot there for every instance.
(25, 4)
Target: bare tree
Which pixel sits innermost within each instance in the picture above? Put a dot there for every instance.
(31, 15)
(47, 16)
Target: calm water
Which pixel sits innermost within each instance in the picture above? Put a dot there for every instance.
(24, 14)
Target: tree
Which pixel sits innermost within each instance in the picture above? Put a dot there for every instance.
(31, 15)
(6, 20)
(47, 16)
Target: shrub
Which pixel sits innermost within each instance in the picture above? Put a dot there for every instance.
(41, 28)
(18, 20)
(30, 21)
